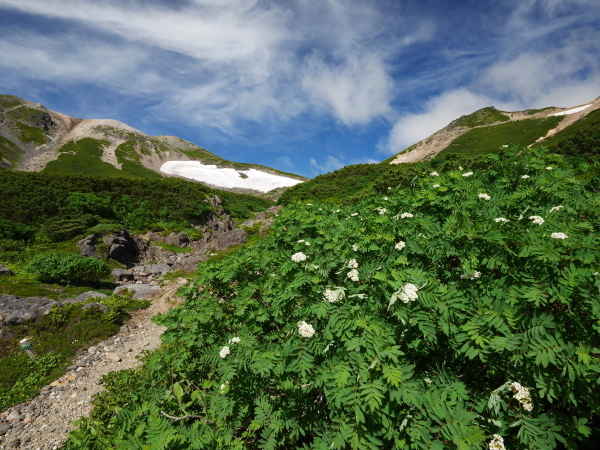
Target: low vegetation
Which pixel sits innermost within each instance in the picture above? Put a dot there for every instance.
(460, 310)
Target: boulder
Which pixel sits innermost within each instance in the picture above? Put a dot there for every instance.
(178, 239)
(87, 246)
(85, 296)
(122, 275)
(221, 241)
(94, 305)
(141, 291)
(5, 271)
(15, 309)
(124, 248)
(157, 269)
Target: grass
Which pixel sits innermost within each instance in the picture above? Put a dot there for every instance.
(483, 116)
(591, 120)
(8, 150)
(9, 101)
(31, 134)
(521, 132)
(172, 247)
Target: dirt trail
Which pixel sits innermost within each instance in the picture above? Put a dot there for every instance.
(44, 422)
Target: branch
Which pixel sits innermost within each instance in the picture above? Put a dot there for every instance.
(187, 416)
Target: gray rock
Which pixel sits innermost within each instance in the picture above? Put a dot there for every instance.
(87, 246)
(15, 443)
(189, 264)
(124, 248)
(113, 357)
(141, 291)
(180, 239)
(5, 271)
(85, 297)
(157, 269)
(14, 416)
(4, 427)
(15, 309)
(227, 239)
(122, 275)
(94, 305)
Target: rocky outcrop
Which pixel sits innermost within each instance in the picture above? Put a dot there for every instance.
(5, 271)
(15, 309)
(87, 246)
(124, 248)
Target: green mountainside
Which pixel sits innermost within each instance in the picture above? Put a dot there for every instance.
(34, 138)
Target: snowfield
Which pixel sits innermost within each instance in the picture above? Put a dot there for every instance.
(572, 111)
(227, 178)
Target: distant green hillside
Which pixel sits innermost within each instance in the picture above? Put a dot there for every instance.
(483, 139)
(483, 116)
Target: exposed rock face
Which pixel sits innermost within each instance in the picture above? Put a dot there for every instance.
(226, 239)
(181, 239)
(124, 248)
(87, 246)
(122, 275)
(5, 270)
(15, 309)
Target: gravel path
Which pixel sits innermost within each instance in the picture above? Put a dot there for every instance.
(44, 422)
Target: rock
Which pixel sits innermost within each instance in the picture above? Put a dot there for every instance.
(113, 358)
(141, 291)
(4, 427)
(157, 269)
(94, 305)
(181, 239)
(15, 443)
(189, 264)
(71, 377)
(87, 246)
(14, 416)
(72, 367)
(227, 239)
(85, 296)
(92, 349)
(122, 275)
(124, 248)
(5, 271)
(15, 309)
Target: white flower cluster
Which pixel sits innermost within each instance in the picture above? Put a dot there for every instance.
(559, 236)
(409, 293)
(537, 220)
(234, 340)
(460, 168)
(333, 296)
(305, 329)
(303, 241)
(354, 214)
(497, 443)
(500, 220)
(549, 168)
(406, 215)
(525, 177)
(309, 204)
(475, 275)
(382, 211)
(385, 198)
(556, 208)
(436, 186)
(400, 245)
(467, 174)
(355, 247)
(353, 275)
(224, 352)
(522, 395)
(353, 264)
(299, 257)
(505, 146)
(434, 174)
(484, 196)
(224, 386)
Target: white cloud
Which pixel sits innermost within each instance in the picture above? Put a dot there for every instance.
(438, 112)
(357, 91)
(331, 163)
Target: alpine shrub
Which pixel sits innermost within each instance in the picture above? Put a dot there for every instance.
(67, 268)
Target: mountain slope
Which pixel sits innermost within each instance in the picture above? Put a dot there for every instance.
(34, 138)
(489, 128)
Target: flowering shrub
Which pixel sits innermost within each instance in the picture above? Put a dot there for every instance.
(481, 307)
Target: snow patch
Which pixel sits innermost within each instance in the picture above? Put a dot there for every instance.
(572, 111)
(227, 178)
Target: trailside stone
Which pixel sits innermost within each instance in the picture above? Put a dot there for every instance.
(157, 269)
(113, 358)
(141, 291)
(94, 305)
(15, 309)
(122, 275)
(5, 270)
(85, 296)
(14, 416)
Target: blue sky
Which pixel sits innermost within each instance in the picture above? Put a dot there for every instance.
(305, 86)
